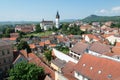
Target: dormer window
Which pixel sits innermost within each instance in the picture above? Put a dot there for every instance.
(84, 65)
(99, 72)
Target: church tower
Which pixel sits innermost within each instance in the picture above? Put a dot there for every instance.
(57, 20)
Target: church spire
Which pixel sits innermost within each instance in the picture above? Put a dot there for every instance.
(57, 15)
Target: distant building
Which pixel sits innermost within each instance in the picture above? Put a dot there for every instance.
(6, 57)
(46, 25)
(92, 67)
(25, 28)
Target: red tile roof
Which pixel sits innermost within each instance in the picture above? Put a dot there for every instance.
(116, 50)
(32, 46)
(102, 68)
(34, 59)
(117, 44)
(42, 43)
(24, 53)
(68, 70)
(47, 42)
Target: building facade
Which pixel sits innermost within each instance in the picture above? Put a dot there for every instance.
(46, 25)
(6, 56)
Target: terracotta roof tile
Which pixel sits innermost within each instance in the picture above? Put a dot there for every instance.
(24, 53)
(68, 70)
(117, 44)
(36, 60)
(102, 68)
(47, 42)
(116, 50)
(42, 43)
(52, 45)
(32, 46)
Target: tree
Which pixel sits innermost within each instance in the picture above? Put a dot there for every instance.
(26, 71)
(21, 34)
(24, 45)
(48, 55)
(38, 28)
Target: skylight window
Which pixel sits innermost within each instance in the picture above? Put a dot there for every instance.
(91, 68)
(84, 65)
(99, 72)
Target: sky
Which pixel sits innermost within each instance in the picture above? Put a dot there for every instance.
(36, 10)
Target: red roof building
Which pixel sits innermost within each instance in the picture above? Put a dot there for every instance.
(97, 68)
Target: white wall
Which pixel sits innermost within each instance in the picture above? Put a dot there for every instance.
(112, 39)
(59, 76)
(93, 53)
(63, 56)
(79, 77)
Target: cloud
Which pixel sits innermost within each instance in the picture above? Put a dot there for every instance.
(116, 9)
(111, 11)
(103, 11)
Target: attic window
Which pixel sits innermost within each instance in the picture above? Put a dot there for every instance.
(109, 76)
(91, 68)
(99, 72)
(84, 65)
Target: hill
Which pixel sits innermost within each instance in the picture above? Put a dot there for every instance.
(95, 18)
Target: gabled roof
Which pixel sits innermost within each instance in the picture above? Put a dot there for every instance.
(36, 60)
(92, 36)
(98, 68)
(59, 63)
(68, 70)
(79, 48)
(32, 46)
(99, 47)
(116, 50)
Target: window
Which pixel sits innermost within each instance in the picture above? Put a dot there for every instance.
(109, 76)
(78, 73)
(8, 52)
(3, 53)
(6, 68)
(4, 61)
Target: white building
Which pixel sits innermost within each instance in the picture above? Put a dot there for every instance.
(46, 25)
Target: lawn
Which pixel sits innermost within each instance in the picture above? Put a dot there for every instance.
(46, 33)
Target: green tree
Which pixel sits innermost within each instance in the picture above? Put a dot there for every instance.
(21, 34)
(48, 55)
(38, 28)
(24, 45)
(26, 71)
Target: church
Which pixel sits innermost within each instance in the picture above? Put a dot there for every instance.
(46, 25)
